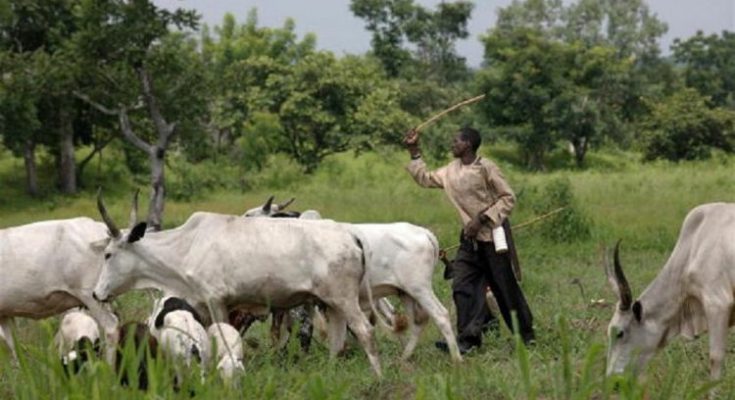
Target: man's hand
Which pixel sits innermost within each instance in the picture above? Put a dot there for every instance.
(472, 228)
(411, 140)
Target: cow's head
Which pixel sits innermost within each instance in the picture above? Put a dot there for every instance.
(121, 261)
(632, 339)
(268, 209)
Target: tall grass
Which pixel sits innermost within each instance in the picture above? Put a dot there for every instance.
(617, 197)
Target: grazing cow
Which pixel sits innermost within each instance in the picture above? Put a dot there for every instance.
(49, 267)
(78, 336)
(221, 261)
(400, 259)
(228, 344)
(137, 339)
(693, 293)
(179, 331)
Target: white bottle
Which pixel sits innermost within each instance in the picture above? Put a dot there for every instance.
(501, 245)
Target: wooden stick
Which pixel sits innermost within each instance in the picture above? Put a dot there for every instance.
(539, 218)
(522, 225)
(448, 110)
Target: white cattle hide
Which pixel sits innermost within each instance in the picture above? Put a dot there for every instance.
(179, 331)
(49, 267)
(694, 292)
(229, 348)
(76, 325)
(223, 261)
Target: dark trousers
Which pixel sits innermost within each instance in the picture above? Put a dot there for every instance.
(476, 266)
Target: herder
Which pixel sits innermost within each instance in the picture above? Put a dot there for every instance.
(484, 200)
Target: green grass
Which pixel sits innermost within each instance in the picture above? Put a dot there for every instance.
(644, 204)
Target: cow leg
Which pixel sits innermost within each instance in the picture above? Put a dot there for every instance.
(718, 319)
(336, 331)
(414, 328)
(6, 334)
(427, 300)
(360, 326)
(108, 321)
(306, 327)
(280, 328)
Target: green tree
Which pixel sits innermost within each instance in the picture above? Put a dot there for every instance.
(398, 25)
(278, 94)
(241, 63)
(135, 63)
(708, 65)
(36, 33)
(571, 72)
(684, 127)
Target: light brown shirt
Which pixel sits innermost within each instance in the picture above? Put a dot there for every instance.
(473, 189)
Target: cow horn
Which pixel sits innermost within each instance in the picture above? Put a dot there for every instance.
(134, 209)
(282, 206)
(268, 203)
(626, 297)
(114, 232)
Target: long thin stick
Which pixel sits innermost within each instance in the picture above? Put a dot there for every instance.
(448, 110)
(539, 218)
(522, 225)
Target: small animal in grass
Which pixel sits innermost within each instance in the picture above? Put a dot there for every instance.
(178, 328)
(229, 350)
(78, 339)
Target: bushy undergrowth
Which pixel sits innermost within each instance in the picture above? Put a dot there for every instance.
(644, 204)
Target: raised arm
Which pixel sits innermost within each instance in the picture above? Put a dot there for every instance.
(417, 166)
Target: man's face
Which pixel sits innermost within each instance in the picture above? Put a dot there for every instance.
(459, 145)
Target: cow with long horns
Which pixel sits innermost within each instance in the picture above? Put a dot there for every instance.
(693, 293)
(218, 261)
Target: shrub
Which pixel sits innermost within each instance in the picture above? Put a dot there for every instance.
(565, 226)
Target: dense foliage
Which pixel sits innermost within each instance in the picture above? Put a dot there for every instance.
(83, 78)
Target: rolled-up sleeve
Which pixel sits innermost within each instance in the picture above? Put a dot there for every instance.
(425, 178)
(504, 200)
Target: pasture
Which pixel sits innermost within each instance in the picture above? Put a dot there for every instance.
(643, 204)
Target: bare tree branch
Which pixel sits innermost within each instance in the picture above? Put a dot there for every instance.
(165, 129)
(127, 131)
(99, 107)
(122, 114)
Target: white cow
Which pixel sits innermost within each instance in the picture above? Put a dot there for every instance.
(400, 260)
(49, 267)
(218, 261)
(693, 293)
(77, 330)
(228, 344)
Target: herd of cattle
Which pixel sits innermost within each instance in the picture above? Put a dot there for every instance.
(214, 268)
(218, 273)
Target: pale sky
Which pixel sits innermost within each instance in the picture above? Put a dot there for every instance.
(339, 31)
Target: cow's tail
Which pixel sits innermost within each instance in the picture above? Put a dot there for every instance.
(435, 243)
(365, 250)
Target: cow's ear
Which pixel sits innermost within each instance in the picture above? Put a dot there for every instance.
(638, 311)
(137, 232)
(99, 245)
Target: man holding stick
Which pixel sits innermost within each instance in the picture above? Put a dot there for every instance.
(484, 200)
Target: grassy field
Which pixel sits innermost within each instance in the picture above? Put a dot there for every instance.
(616, 198)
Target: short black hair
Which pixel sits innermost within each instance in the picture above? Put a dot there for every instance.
(471, 135)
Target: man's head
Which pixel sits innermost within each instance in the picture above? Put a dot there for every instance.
(467, 140)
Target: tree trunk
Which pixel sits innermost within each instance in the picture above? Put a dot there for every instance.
(580, 150)
(67, 164)
(29, 156)
(158, 194)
